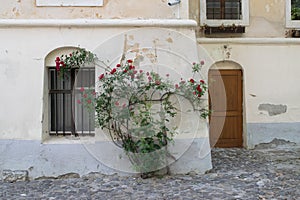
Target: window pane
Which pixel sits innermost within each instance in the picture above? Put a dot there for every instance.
(295, 9)
(85, 77)
(58, 83)
(84, 117)
(223, 9)
(213, 9)
(61, 114)
(232, 9)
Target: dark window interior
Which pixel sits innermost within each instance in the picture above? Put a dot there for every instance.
(224, 9)
(67, 116)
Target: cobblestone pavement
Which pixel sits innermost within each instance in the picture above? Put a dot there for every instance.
(270, 171)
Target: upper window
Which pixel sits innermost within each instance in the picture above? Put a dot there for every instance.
(69, 2)
(224, 12)
(293, 14)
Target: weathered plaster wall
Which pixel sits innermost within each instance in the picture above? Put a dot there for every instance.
(112, 9)
(22, 103)
(267, 18)
(271, 85)
(271, 76)
(52, 160)
(269, 61)
(22, 68)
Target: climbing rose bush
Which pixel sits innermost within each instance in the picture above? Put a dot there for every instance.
(75, 59)
(136, 107)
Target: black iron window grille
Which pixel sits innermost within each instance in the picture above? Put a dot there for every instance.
(224, 9)
(67, 115)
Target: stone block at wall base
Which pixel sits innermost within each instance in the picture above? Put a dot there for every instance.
(24, 159)
(258, 133)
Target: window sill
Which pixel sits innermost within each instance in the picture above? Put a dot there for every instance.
(225, 23)
(69, 140)
(99, 136)
(62, 3)
(292, 24)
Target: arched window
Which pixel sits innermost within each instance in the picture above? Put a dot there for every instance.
(66, 114)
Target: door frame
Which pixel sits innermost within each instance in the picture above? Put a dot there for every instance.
(231, 65)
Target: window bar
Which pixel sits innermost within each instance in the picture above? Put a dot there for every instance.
(240, 10)
(231, 9)
(63, 105)
(73, 104)
(222, 9)
(89, 118)
(82, 118)
(56, 104)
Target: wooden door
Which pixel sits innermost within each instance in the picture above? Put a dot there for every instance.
(226, 119)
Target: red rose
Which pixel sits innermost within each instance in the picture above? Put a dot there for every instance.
(125, 70)
(202, 62)
(199, 88)
(176, 86)
(118, 65)
(89, 101)
(192, 80)
(131, 67)
(113, 71)
(57, 59)
(129, 61)
(78, 101)
(101, 76)
(57, 66)
(157, 82)
(85, 96)
(202, 81)
(81, 89)
(62, 63)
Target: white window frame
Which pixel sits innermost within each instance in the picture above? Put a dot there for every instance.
(220, 22)
(289, 23)
(69, 2)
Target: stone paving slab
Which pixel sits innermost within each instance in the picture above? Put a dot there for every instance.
(270, 171)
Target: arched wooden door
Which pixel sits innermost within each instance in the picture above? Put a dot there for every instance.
(226, 119)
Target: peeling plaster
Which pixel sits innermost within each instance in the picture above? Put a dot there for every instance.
(169, 40)
(273, 109)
